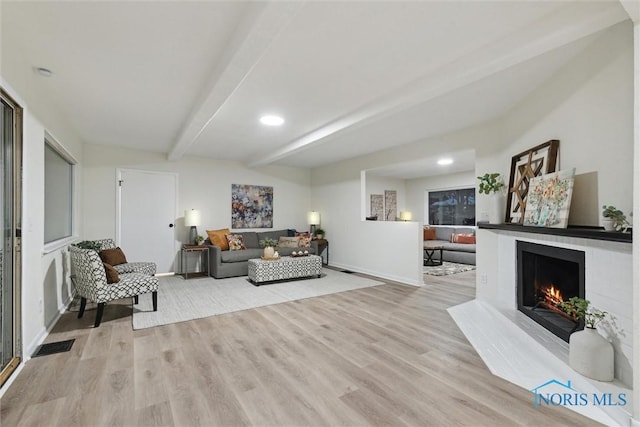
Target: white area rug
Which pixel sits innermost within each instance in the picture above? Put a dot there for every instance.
(180, 300)
(448, 268)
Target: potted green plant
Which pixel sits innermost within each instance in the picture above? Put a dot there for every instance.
(319, 233)
(614, 219)
(589, 352)
(269, 246)
(198, 240)
(492, 184)
(578, 308)
(89, 244)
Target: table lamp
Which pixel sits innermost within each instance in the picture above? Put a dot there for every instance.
(192, 219)
(313, 218)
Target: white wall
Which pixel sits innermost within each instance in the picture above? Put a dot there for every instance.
(387, 249)
(588, 106)
(46, 287)
(378, 185)
(203, 184)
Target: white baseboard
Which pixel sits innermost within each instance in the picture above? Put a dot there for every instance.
(400, 279)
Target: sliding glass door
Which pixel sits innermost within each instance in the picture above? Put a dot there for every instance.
(10, 202)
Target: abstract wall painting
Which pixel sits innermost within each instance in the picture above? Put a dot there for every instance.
(377, 206)
(549, 200)
(390, 205)
(251, 206)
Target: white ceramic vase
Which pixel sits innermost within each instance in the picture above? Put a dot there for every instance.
(608, 224)
(591, 355)
(497, 208)
(268, 252)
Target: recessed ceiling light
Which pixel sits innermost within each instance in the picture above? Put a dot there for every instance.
(271, 120)
(445, 161)
(44, 72)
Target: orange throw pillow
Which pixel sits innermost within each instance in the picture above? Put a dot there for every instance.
(219, 238)
(429, 233)
(463, 238)
(113, 256)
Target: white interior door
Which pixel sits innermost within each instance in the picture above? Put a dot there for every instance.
(147, 203)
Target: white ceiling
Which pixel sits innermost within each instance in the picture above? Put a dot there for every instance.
(350, 78)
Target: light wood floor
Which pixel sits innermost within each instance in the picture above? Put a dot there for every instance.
(387, 355)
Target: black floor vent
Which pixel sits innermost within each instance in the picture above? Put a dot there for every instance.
(53, 348)
(348, 272)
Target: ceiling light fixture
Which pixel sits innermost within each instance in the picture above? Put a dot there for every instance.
(271, 120)
(44, 72)
(445, 161)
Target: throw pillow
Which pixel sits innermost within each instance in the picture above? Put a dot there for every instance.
(305, 240)
(288, 242)
(113, 256)
(467, 238)
(463, 238)
(429, 233)
(236, 242)
(112, 274)
(218, 238)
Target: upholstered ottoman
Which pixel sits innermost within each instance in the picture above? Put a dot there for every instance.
(262, 271)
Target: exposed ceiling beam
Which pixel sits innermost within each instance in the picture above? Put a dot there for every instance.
(250, 42)
(562, 27)
(633, 9)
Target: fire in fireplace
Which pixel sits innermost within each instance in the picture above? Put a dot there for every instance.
(547, 276)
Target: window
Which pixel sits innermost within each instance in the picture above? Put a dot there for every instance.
(452, 207)
(59, 168)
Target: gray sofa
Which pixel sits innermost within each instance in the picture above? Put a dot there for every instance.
(464, 253)
(235, 263)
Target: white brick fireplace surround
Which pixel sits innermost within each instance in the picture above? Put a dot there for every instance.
(523, 352)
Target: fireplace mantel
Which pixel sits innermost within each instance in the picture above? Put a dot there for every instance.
(594, 233)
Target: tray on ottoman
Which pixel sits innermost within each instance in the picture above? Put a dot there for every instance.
(261, 271)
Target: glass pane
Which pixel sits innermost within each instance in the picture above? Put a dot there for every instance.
(6, 237)
(58, 186)
(452, 207)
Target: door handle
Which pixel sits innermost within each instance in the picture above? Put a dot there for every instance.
(170, 225)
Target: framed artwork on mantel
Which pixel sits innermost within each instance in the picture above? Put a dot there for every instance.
(549, 200)
(525, 166)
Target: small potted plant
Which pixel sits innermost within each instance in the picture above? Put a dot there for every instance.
(269, 246)
(89, 244)
(614, 219)
(319, 233)
(198, 240)
(578, 308)
(492, 184)
(590, 353)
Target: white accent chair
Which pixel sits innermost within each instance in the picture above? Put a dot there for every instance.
(90, 280)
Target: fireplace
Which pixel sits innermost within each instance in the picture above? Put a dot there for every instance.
(548, 275)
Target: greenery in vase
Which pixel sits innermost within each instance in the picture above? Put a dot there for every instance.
(318, 231)
(268, 243)
(490, 183)
(198, 239)
(89, 244)
(619, 218)
(578, 308)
